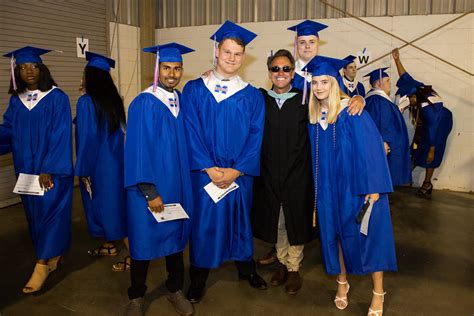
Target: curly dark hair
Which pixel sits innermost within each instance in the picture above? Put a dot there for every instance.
(46, 81)
(107, 101)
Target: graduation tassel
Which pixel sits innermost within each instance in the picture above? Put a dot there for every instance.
(12, 67)
(157, 68)
(214, 59)
(305, 85)
(314, 217)
(294, 45)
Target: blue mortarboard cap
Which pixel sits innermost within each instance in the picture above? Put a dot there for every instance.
(350, 58)
(99, 61)
(170, 52)
(377, 74)
(325, 66)
(407, 85)
(230, 29)
(27, 54)
(307, 27)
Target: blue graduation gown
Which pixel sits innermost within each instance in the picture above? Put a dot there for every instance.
(391, 125)
(351, 164)
(436, 124)
(360, 90)
(41, 142)
(99, 155)
(229, 135)
(156, 153)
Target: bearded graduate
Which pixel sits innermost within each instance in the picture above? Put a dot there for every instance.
(157, 173)
(37, 129)
(390, 122)
(100, 126)
(349, 168)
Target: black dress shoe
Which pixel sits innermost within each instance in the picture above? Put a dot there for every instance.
(254, 280)
(195, 295)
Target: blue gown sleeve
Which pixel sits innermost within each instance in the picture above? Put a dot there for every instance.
(430, 120)
(248, 161)
(140, 141)
(6, 132)
(58, 160)
(383, 118)
(370, 163)
(86, 137)
(199, 157)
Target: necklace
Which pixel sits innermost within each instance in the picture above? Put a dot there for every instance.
(316, 155)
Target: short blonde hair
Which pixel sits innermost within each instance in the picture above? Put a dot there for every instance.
(335, 97)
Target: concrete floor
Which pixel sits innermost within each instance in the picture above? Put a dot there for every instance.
(434, 240)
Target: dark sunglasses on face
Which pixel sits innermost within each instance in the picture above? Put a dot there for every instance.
(284, 68)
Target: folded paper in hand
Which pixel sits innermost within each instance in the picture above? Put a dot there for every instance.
(217, 193)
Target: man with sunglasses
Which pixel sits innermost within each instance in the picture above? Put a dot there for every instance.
(282, 205)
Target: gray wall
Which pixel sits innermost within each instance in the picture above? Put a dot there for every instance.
(51, 25)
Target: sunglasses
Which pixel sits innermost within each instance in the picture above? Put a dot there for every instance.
(278, 68)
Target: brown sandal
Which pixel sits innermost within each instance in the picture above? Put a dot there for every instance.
(103, 251)
(122, 266)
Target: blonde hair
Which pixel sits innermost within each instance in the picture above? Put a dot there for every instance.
(334, 103)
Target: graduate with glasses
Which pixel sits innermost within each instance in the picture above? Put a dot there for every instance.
(282, 201)
(37, 129)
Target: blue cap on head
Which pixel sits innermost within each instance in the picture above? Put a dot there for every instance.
(407, 85)
(99, 61)
(170, 52)
(230, 29)
(27, 54)
(377, 74)
(325, 66)
(307, 27)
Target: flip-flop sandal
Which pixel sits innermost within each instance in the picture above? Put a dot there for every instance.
(103, 251)
(122, 266)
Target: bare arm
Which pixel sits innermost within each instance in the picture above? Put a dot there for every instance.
(398, 62)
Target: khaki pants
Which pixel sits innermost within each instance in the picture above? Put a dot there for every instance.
(290, 256)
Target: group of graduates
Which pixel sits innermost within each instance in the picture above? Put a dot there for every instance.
(309, 155)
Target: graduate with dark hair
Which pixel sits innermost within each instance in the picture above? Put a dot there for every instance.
(225, 118)
(350, 169)
(283, 193)
(157, 173)
(100, 125)
(351, 85)
(432, 120)
(391, 125)
(37, 129)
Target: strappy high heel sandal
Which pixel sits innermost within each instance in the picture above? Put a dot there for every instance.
(54, 262)
(378, 312)
(425, 190)
(343, 300)
(37, 279)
